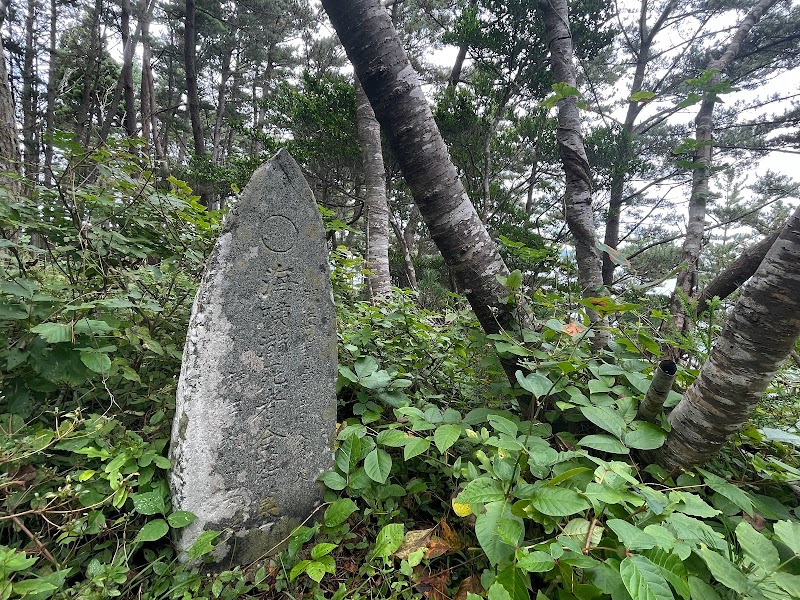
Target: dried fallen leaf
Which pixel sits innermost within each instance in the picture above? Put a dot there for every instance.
(413, 541)
(434, 586)
(449, 535)
(436, 547)
(573, 328)
(471, 584)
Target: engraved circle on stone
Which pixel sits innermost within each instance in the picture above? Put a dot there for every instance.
(279, 233)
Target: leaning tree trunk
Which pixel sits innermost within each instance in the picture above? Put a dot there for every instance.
(393, 88)
(759, 335)
(686, 284)
(578, 193)
(375, 203)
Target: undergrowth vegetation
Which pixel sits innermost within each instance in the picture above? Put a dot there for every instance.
(447, 481)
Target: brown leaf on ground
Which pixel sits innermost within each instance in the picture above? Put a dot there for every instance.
(413, 541)
(433, 586)
(449, 535)
(470, 584)
(436, 547)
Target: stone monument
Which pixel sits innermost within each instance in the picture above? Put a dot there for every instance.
(256, 407)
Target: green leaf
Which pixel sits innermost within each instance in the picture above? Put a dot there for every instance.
(631, 536)
(378, 464)
(338, 512)
(645, 436)
(642, 95)
(486, 530)
(604, 443)
(481, 491)
(445, 436)
(643, 579)
(672, 569)
(415, 447)
(347, 454)
(181, 518)
(316, 569)
(389, 539)
(393, 438)
(558, 501)
(536, 383)
(724, 571)
(152, 531)
(54, 333)
(503, 425)
(700, 590)
(605, 418)
(92, 326)
(96, 361)
(757, 548)
(333, 480)
(298, 569)
(204, 544)
(789, 533)
(29, 587)
(534, 562)
(323, 549)
(498, 592)
(149, 503)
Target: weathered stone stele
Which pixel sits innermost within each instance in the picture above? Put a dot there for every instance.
(256, 407)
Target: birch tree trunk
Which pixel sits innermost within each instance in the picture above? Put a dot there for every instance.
(375, 203)
(578, 193)
(393, 88)
(759, 335)
(686, 285)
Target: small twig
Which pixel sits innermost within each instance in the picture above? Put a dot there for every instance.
(36, 541)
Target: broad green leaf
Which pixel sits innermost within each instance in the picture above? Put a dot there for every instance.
(510, 530)
(672, 569)
(15, 560)
(30, 587)
(181, 518)
(789, 533)
(578, 530)
(415, 447)
(92, 326)
(486, 530)
(53, 333)
(724, 571)
(692, 504)
(757, 548)
(347, 453)
(534, 562)
(787, 582)
(695, 531)
(645, 436)
(148, 503)
(298, 569)
(96, 361)
(700, 590)
(503, 425)
(536, 383)
(631, 536)
(481, 491)
(316, 569)
(643, 579)
(445, 436)
(605, 418)
(204, 544)
(377, 465)
(322, 549)
(498, 592)
(604, 443)
(393, 438)
(152, 531)
(333, 480)
(338, 512)
(559, 501)
(389, 539)
(732, 492)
